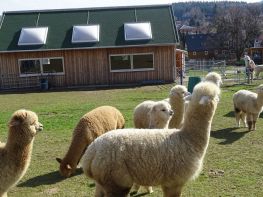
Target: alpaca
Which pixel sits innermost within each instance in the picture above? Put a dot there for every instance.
(166, 157)
(15, 155)
(151, 114)
(248, 106)
(176, 99)
(250, 66)
(90, 126)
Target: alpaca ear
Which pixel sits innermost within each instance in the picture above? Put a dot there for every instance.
(59, 160)
(68, 167)
(204, 100)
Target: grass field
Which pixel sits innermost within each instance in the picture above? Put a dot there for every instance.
(233, 165)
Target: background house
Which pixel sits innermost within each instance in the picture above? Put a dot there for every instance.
(88, 47)
(207, 47)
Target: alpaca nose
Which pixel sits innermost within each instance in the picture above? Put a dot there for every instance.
(171, 112)
(187, 93)
(40, 127)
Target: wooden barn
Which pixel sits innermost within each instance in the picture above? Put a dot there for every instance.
(88, 47)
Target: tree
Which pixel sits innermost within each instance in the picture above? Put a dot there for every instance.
(239, 26)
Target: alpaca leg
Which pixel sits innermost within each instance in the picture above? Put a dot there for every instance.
(244, 119)
(99, 191)
(135, 188)
(149, 189)
(173, 191)
(249, 121)
(238, 115)
(114, 190)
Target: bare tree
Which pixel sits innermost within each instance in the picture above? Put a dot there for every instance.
(238, 26)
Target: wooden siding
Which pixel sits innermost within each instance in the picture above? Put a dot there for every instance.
(91, 66)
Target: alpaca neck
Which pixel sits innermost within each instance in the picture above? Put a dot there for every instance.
(76, 150)
(178, 108)
(197, 126)
(19, 149)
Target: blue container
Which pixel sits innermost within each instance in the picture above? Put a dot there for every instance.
(192, 82)
(44, 84)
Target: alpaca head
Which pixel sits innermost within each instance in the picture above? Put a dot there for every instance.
(205, 97)
(160, 114)
(24, 124)
(178, 91)
(215, 78)
(65, 169)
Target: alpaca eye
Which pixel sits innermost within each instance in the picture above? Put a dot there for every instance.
(163, 110)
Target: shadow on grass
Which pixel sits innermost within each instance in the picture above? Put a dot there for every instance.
(228, 134)
(47, 179)
(230, 114)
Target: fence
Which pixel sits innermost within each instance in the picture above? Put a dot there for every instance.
(12, 81)
(230, 74)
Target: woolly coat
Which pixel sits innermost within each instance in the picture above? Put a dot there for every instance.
(90, 126)
(167, 157)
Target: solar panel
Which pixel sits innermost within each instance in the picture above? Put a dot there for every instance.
(138, 31)
(85, 33)
(33, 36)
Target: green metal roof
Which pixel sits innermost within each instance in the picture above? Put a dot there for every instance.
(111, 20)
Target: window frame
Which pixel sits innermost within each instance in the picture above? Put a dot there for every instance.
(41, 67)
(132, 69)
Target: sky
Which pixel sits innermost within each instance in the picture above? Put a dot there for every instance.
(15, 5)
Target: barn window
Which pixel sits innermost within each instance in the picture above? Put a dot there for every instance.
(85, 33)
(30, 67)
(41, 66)
(138, 31)
(132, 62)
(52, 66)
(33, 36)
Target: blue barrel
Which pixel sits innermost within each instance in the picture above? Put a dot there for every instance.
(44, 84)
(192, 82)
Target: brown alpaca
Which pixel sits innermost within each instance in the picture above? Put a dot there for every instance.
(90, 126)
(15, 155)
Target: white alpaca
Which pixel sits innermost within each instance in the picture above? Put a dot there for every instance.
(15, 155)
(258, 70)
(248, 106)
(151, 114)
(166, 157)
(176, 99)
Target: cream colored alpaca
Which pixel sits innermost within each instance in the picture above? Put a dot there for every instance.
(176, 100)
(15, 155)
(166, 157)
(151, 114)
(90, 126)
(248, 106)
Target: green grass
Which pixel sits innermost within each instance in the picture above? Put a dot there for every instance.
(233, 150)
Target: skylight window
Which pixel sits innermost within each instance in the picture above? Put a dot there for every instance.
(85, 33)
(33, 36)
(138, 31)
